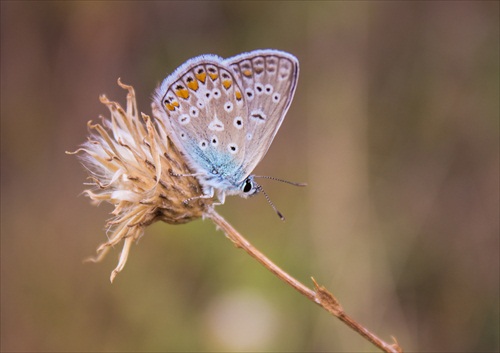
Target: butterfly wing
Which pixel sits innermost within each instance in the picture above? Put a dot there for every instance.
(268, 79)
(204, 110)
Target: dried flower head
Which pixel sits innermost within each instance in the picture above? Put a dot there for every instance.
(134, 166)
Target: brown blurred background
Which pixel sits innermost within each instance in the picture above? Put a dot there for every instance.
(394, 125)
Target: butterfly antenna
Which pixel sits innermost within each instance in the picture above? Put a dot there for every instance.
(281, 180)
(280, 215)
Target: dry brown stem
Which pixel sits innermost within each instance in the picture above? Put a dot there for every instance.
(320, 295)
(134, 166)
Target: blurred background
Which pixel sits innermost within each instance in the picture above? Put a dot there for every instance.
(394, 126)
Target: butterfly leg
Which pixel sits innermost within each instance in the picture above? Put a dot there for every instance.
(221, 195)
(210, 194)
(206, 195)
(184, 175)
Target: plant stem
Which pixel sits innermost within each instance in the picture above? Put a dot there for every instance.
(320, 295)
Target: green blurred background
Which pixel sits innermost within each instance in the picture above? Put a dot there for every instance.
(394, 125)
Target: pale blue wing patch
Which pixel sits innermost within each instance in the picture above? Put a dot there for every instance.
(205, 112)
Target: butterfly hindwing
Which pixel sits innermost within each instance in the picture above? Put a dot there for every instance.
(206, 114)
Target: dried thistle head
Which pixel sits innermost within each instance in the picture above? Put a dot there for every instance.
(134, 166)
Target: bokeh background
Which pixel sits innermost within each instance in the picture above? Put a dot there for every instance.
(394, 125)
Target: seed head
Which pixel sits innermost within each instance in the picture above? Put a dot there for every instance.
(134, 166)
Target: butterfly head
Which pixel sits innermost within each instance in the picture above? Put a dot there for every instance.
(249, 187)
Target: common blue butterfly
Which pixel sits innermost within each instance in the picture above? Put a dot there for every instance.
(223, 115)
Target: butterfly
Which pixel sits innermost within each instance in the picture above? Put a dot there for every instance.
(223, 114)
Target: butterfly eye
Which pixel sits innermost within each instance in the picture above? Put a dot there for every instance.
(248, 186)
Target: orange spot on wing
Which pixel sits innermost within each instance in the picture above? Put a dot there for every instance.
(193, 85)
(182, 92)
(213, 76)
(201, 77)
(238, 95)
(247, 73)
(227, 83)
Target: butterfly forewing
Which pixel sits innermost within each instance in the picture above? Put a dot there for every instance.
(207, 115)
(268, 79)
